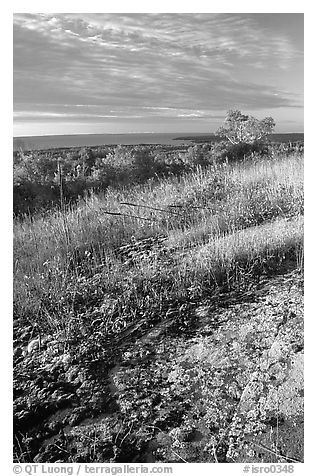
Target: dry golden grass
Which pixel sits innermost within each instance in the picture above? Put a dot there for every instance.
(215, 221)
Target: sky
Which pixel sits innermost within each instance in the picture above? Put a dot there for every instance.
(86, 73)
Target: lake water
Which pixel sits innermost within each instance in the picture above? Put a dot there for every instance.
(86, 140)
(82, 140)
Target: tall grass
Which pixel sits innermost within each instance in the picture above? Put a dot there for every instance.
(219, 224)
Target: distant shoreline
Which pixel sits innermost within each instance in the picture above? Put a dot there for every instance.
(114, 135)
(278, 137)
(181, 134)
(94, 140)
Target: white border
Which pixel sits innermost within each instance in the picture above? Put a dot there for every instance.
(310, 195)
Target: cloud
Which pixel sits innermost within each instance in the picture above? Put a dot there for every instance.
(168, 62)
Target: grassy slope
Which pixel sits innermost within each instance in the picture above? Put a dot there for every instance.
(89, 279)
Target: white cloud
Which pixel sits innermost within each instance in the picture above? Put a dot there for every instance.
(149, 65)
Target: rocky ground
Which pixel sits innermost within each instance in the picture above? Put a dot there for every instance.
(225, 387)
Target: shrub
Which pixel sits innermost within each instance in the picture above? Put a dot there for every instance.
(242, 129)
(199, 154)
(225, 150)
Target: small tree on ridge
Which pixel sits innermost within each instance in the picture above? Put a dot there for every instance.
(239, 128)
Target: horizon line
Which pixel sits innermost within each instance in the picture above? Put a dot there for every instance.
(128, 133)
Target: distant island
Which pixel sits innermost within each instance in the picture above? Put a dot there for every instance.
(277, 138)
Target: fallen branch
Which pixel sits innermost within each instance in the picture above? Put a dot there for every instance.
(179, 456)
(147, 206)
(127, 216)
(277, 454)
(189, 206)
